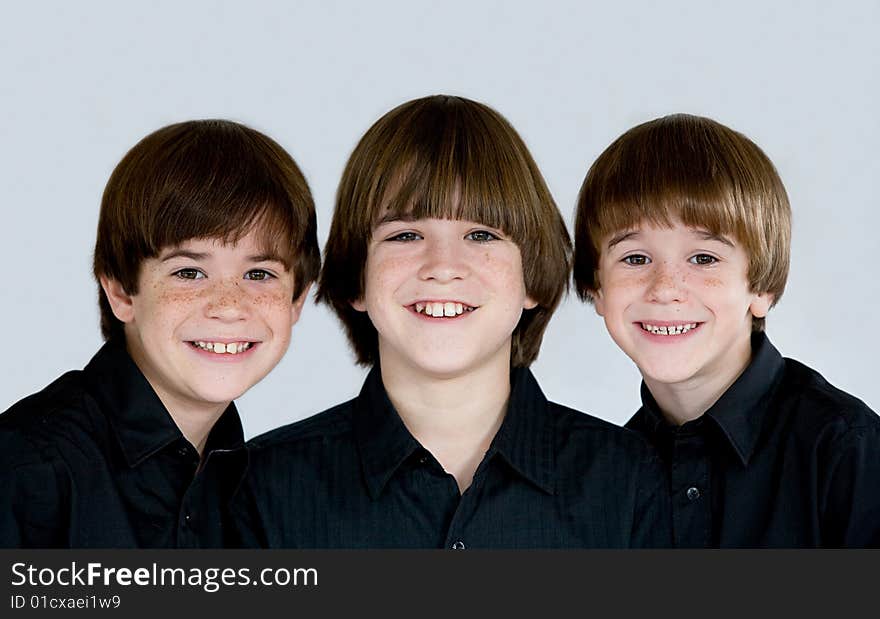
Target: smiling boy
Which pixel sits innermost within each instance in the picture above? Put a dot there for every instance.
(205, 250)
(682, 243)
(446, 259)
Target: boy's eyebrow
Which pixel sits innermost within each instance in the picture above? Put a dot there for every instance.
(388, 218)
(265, 258)
(621, 237)
(184, 253)
(705, 235)
(196, 255)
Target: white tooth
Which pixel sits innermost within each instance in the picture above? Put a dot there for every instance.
(419, 307)
(662, 330)
(219, 347)
(437, 310)
(200, 344)
(459, 308)
(240, 347)
(449, 309)
(429, 309)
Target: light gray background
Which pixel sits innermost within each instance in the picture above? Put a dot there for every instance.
(81, 82)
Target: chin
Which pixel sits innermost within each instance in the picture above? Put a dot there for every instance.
(442, 368)
(666, 376)
(218, 394)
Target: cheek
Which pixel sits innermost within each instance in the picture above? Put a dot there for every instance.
(712, 283)
(386, 274)
(168, 303)
(276, 306)
(619, 291)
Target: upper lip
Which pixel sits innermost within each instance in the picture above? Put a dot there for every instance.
(423, 301)
(668, 323)
(224, 340)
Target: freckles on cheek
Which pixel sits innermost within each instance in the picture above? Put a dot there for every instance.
(172, 299)
(276, 301)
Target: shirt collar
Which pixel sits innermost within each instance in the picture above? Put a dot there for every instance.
(140, 421)
(524, 440)
(383, 441)
(741, 411)
(526, 436)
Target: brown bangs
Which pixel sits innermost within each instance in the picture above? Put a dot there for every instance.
(458, 160)
(444, 157)
(204, 179)
(691, 169)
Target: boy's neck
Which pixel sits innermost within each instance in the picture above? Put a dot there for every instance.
(455, 418)
(688, 400)
(195, 425)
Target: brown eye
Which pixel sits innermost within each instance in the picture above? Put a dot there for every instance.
(636, 260)
(189, 274)
(704, 259)
(258, 275)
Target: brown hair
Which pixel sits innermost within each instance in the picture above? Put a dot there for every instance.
(202, 179)
(696, 170)
(448, 158)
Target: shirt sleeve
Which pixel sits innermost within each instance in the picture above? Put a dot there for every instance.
(32, 499)
(851, 512)
(652, 520)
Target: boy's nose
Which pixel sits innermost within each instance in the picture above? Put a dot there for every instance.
(443, 262)
(228, 302)
(667, 285)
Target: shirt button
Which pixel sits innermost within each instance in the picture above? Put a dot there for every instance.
(459, 545)
(423, 460)
(183, 451)
(693, 493)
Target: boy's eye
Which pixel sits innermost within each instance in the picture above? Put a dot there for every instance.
(258, 275)
(189, 274)
(636, 260)
(481, 236)
(703, 259)
(404, 237)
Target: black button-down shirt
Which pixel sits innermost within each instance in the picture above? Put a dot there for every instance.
(95, 460)
(354, 477)
(782, 459)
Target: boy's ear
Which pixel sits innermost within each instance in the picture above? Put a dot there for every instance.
(296, 308)
(529, 303)
(358, 305)
(120, 301)
(760, 304)
(598, 302)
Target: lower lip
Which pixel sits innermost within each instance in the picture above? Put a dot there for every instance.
(223, 357)
(668, 339)
(439, 319)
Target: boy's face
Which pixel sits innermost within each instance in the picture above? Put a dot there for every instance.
(677, 301)
(209, 320)
(445, 296)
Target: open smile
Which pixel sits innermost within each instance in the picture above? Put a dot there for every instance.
(669, 329)
(223, 350)
(442, 309)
